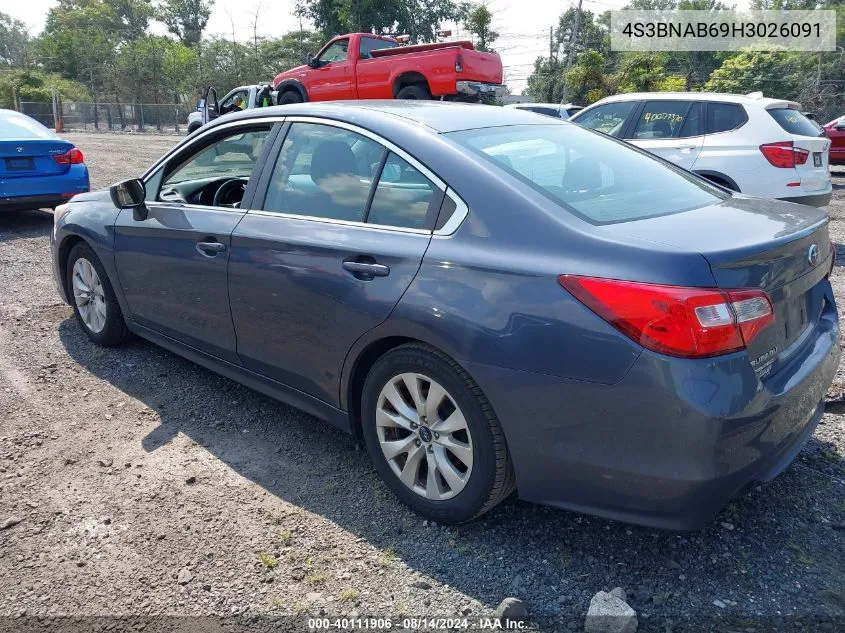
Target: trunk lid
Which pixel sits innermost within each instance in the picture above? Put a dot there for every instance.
(32, 157)
(779, 247)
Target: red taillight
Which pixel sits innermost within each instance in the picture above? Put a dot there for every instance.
(71, 157)
(784, 154)
(674, 320)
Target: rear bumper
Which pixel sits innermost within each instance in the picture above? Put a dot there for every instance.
(672, 442)
(811, 200)
(479, 89)
(36, 192)
(20, 203)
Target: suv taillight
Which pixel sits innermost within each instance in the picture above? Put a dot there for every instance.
(675, 320)
(783, 154)
(71, 157)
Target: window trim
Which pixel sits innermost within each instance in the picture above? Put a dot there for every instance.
(442, 189)
(707, 105)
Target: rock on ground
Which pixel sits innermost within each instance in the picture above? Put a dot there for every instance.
(608, 613)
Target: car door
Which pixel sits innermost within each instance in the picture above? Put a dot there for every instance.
(670, 129)
(334, 76)
(325, 257)
(172, 265)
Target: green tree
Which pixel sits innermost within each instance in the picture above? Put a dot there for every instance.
(773, 73)
(478, 21)
(15, 43)
(586, 79)
(34, 85)
(186, 19)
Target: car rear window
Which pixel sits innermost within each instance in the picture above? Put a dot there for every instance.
(21, 127)
(597, 178)
(794, 122)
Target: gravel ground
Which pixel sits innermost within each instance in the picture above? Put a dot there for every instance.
(147, 485)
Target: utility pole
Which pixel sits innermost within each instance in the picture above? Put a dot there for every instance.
(551, 85)
(573, 42)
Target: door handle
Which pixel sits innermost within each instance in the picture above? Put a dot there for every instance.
(210, 249)
(685, 146)
(366, 270)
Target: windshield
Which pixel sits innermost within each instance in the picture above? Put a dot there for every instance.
(20, 127)
(597, 178)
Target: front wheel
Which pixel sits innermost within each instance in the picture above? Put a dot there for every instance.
(93, 298)
(433, 436)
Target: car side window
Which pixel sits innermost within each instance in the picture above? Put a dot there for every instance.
(722, 117)
(336, 52)
(608, 118)
(228, 104)
(692, 125)
(370, 44)
(324, 171)
(661, 119)
(402, 196)
(197, 176)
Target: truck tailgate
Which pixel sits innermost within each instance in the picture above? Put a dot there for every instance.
(478, 66)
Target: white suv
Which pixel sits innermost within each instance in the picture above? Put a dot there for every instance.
(757, 146)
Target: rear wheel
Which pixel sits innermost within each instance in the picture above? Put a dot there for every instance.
(433, 436)
(93, 298)
(414, 91)
(291, 96)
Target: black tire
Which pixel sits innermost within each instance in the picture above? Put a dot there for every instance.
(290, 96)
(492, 477)
(414, 92)
(114, 330)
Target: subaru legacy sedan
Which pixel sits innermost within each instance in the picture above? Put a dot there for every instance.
(491, 300)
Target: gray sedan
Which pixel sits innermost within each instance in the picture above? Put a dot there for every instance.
(493, 301)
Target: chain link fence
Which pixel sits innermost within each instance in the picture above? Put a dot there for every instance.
(162, 118)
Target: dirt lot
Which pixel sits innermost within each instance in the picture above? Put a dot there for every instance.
(146, 485)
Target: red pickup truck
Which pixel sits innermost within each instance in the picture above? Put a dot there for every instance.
(366, 66)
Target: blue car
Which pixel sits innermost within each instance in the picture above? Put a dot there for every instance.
(37, 168)
(491, 300)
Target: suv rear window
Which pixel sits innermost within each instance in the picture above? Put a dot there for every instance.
(595, 177)
(794, 122)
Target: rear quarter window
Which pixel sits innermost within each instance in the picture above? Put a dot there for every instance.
(723, 117)
(794, 122)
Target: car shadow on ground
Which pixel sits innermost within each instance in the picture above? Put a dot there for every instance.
(555, 560)
(16, 225)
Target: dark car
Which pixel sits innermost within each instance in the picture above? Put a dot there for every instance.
(492, 300)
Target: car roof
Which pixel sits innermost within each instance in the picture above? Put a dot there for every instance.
(753, 98)
(437, 116)
(532, 104)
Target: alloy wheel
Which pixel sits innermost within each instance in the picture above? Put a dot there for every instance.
(424, 436)
(89, 295)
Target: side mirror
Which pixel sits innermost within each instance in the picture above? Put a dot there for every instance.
(312, 61)
(131, 194)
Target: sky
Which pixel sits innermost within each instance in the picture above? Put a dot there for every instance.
(523, 25)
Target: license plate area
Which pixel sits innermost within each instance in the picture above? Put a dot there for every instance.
(796, 316)
(20, 164)
(817, 159)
